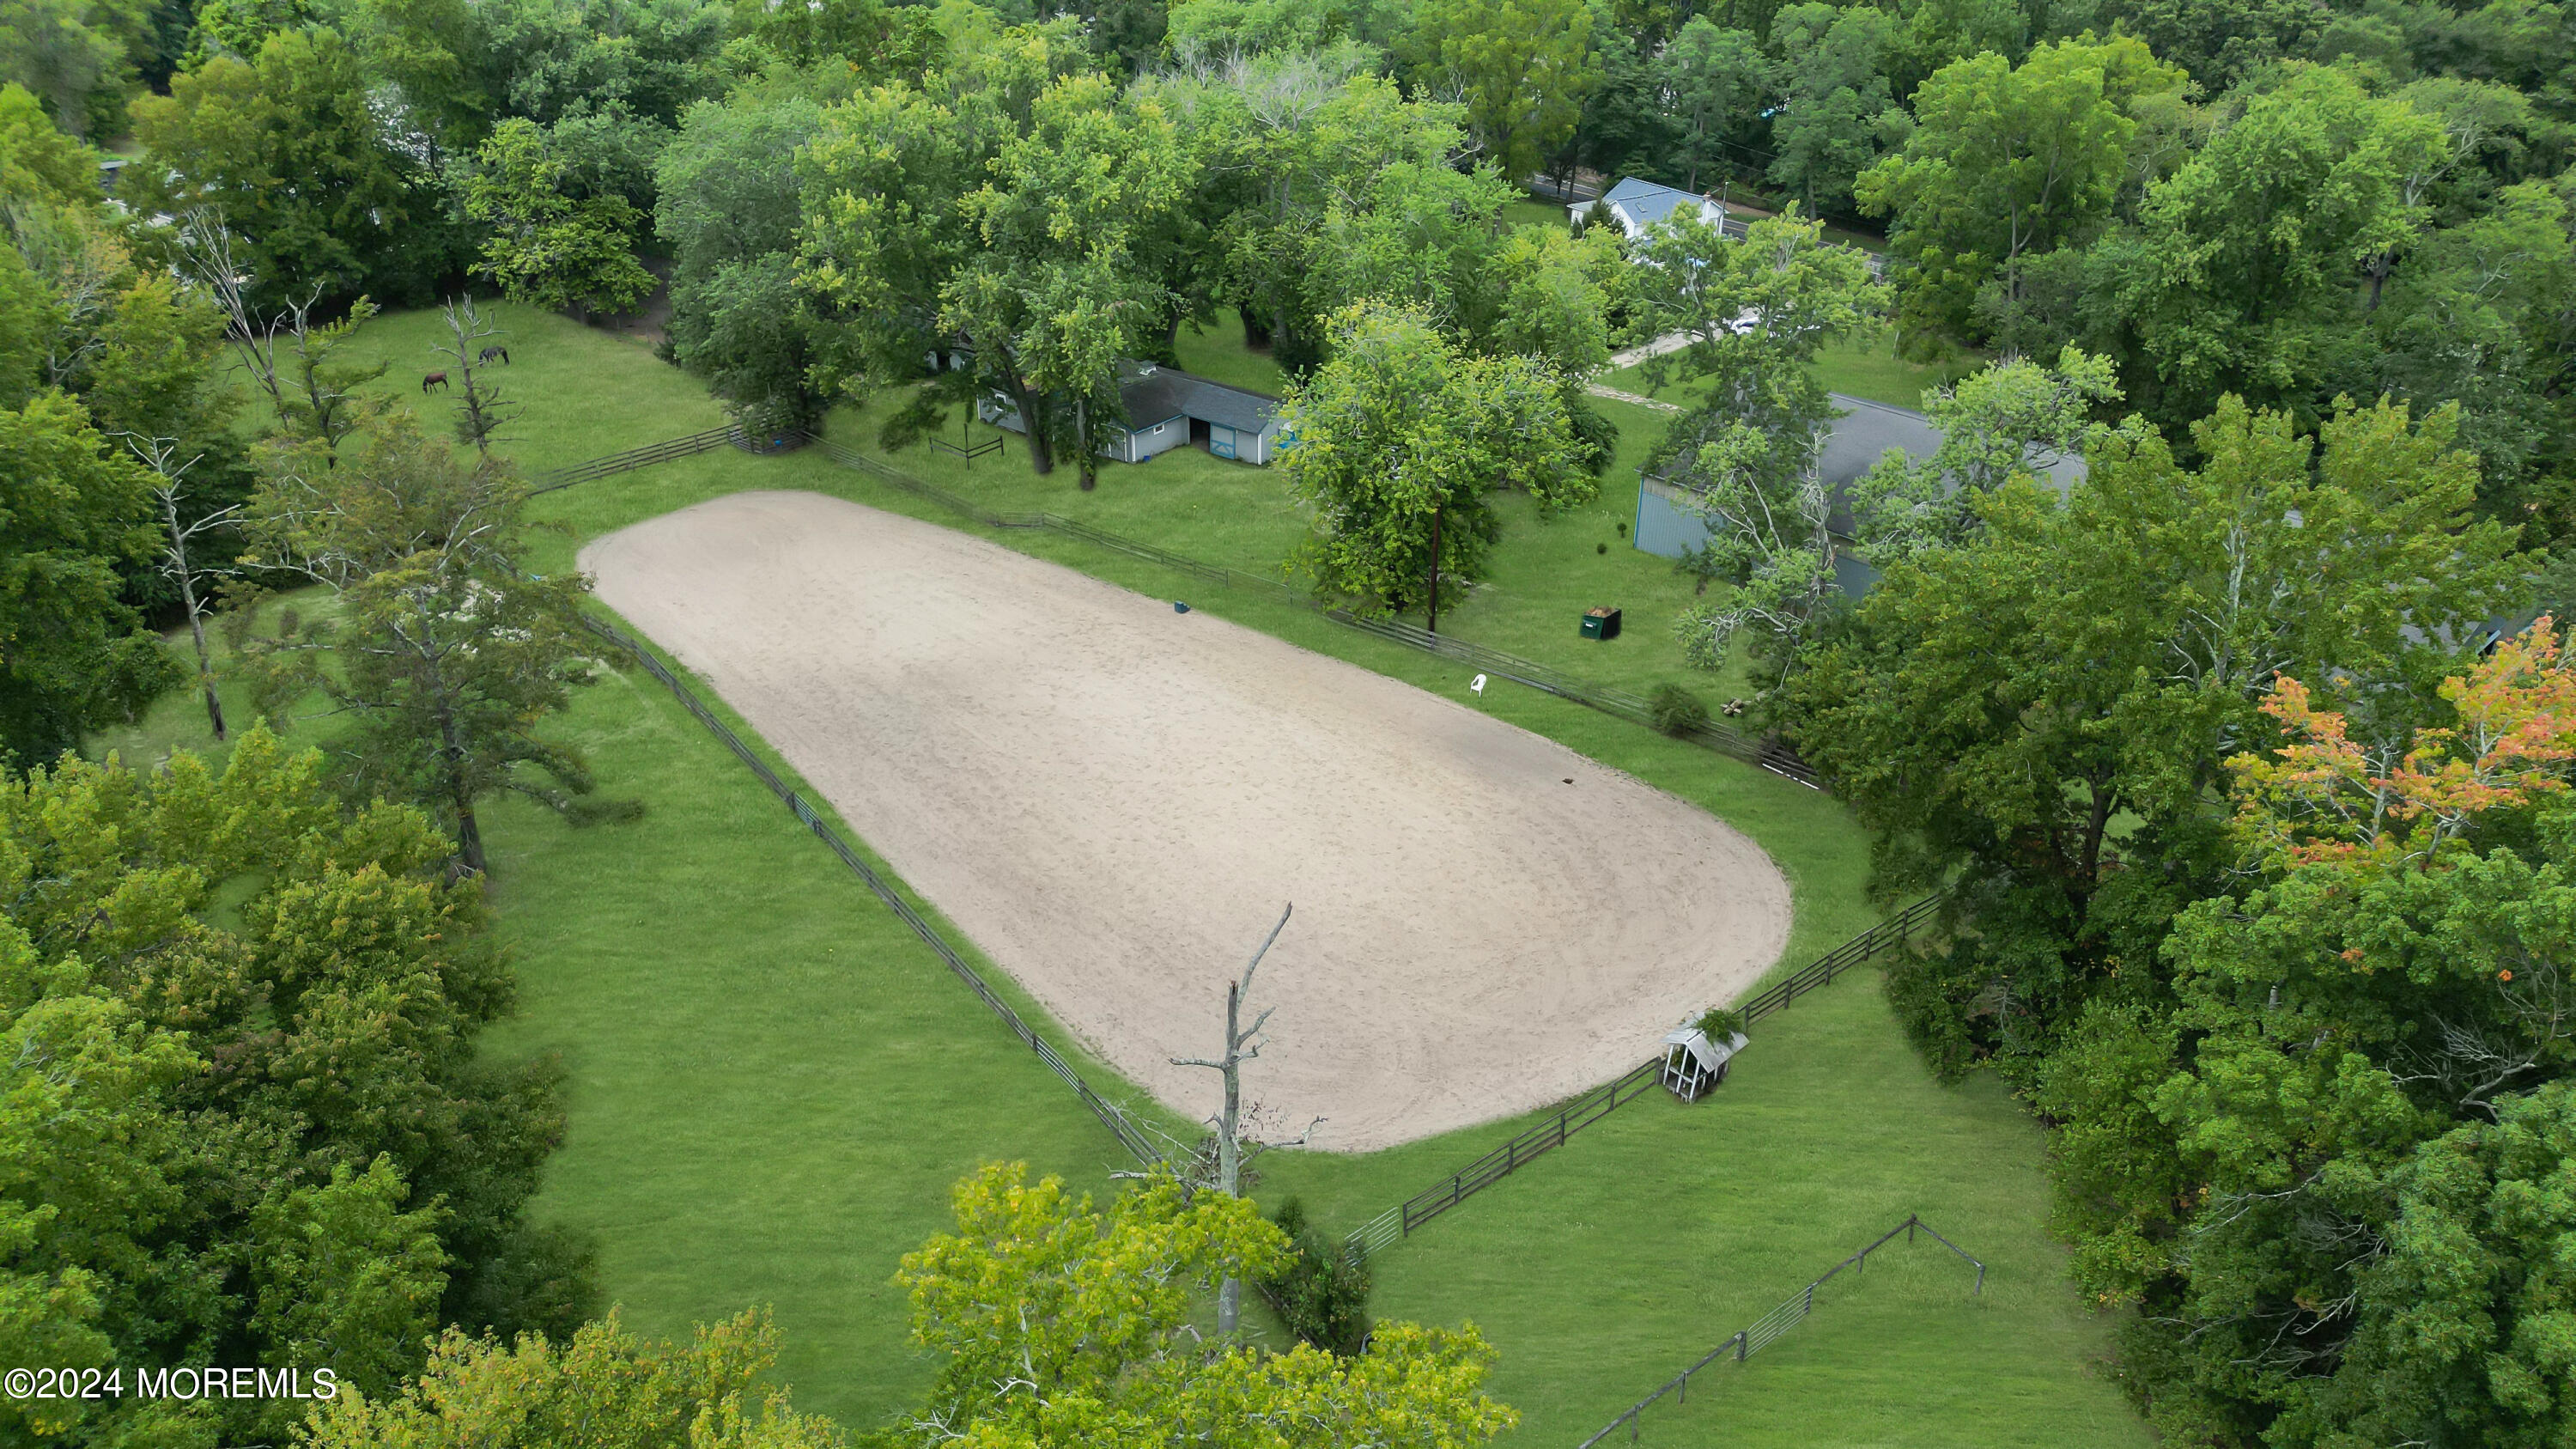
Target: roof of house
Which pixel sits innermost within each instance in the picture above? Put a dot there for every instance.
(1157, 393)
(1646, 202)
(1865, 432)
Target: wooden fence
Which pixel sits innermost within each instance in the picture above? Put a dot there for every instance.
(650, 454)
(970, 453)
(1777, 1322)
(1399, 1222)
(1111, 1115)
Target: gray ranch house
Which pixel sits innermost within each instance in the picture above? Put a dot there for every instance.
(1167, 408)
(1669, 526)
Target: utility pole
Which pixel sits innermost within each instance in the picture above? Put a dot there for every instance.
(1242, 1044)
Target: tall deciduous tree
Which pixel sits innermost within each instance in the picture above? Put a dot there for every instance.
(1064, 1325)
(285, 149)
(1718, 80)
(1756, 313)
(39, 161)
(997, 205)
(1836, 112)
(1400, 441)
(445, 655)
(1311, 143)
(247, 1099)
(1521, 66)
(2250, 270)
(73, 654)
(599, 1382)
(67, 51)
(547, 248)
(2007, 161)
(729, 212)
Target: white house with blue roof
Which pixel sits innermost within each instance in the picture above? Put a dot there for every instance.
(1640, 204)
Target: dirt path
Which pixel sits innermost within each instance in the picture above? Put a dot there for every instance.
(1113, 800)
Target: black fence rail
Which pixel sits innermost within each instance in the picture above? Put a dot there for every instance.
(1399, 1222)
(652, 453)
(1768, 754)
(1110, 1114)
(970, 452)
(1777, 1322)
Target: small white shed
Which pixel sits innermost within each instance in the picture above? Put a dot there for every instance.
(1693, 1064)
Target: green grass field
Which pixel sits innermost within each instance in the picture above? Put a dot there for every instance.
(1863, 367)
(772, 1083)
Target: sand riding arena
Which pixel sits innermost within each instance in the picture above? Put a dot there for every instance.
(1114, 799)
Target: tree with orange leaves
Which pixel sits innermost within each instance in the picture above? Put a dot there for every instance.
(2330, 1158)
(2325, 796)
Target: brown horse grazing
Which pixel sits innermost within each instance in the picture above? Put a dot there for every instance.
(489, 353)
(432, 379)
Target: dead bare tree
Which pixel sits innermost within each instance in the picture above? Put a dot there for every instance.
(213, 266)
(479, 412)
(1242, 1044)
(287, 352)
(178, 564)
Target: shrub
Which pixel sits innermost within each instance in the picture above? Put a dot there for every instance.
(1677, 711)
(1323, 1294)
(1717, 1024)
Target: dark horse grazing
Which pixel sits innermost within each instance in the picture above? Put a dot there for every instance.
(489, 353)
(432, 379)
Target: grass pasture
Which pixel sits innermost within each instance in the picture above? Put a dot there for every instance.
(772, 1084)
(1863, 367)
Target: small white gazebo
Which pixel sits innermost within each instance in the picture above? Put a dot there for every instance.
(1693, 1063)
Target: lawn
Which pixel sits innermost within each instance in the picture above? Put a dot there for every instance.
(772, 1084)
(1862, 367)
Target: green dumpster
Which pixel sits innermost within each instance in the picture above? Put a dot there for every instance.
(1601, 623)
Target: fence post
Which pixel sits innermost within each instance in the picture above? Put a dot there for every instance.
(1739, 1346)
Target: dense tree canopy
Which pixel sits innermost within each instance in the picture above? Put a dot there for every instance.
(2251, 857)
(1060, 1324)
(279, 1146)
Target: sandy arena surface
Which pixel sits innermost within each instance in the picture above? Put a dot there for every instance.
(1114, 800)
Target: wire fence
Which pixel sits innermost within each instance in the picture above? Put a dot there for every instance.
(1778, 1321)
(1770, 755)
(1111, 1115)
(1399, 1222)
